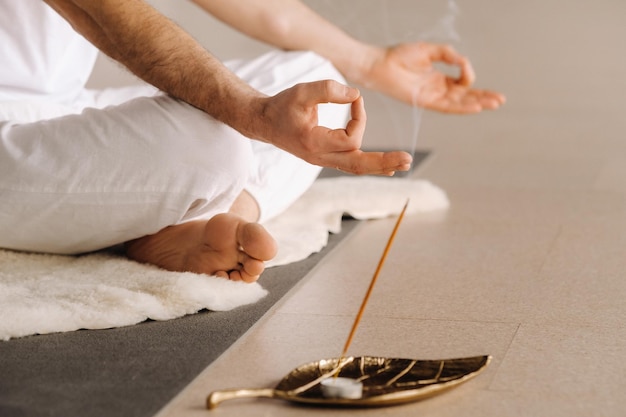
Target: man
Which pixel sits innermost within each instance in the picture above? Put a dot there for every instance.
(172, 173)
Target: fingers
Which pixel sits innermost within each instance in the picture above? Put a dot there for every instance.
(462, 100)
(468, 76)
(327, 91)
(342, 140)
(342, 148)
(465, 99)
(360, 163)
(448, 55)
(490, 100)
(358, 119)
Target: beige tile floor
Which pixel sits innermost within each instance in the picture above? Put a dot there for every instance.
(528, 265)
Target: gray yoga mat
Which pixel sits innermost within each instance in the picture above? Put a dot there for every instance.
(133, 371)
(129, 371)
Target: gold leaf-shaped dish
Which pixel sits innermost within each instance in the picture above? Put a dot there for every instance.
(386, 381)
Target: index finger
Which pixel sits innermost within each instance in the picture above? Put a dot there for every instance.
(449, 55)
(348, 139)
(327, 91)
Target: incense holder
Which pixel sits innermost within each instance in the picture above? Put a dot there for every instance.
(385, 381)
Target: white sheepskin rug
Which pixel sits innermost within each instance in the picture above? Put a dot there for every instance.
(52, 293)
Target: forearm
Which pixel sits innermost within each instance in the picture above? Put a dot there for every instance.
(158, 51)
(162, 54)
(291, 25)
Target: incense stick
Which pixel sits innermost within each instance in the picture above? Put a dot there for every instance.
(372, 283)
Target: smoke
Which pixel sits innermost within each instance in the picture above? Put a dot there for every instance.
(445, 28)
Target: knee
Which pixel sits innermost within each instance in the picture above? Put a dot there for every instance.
(217, 155)
(203, 140)
(199, 152)
(277, 70)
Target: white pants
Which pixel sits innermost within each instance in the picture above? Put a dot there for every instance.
(134, 161)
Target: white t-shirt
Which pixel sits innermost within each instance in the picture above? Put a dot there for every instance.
(41, 57)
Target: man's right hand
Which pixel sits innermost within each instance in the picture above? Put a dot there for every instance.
(289, 121)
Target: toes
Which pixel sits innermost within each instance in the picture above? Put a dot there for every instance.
(248, 270)
(234, 276)
(241, 275)
(221, 274)
(253, 267)
(235, 249)
(256, 242)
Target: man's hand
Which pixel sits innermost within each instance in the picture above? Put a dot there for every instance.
(290, 122)
(406, 72)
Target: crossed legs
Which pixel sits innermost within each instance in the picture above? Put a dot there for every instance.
(183, 191)
(202, 246)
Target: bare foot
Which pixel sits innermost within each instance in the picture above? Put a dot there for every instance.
(226, 246)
